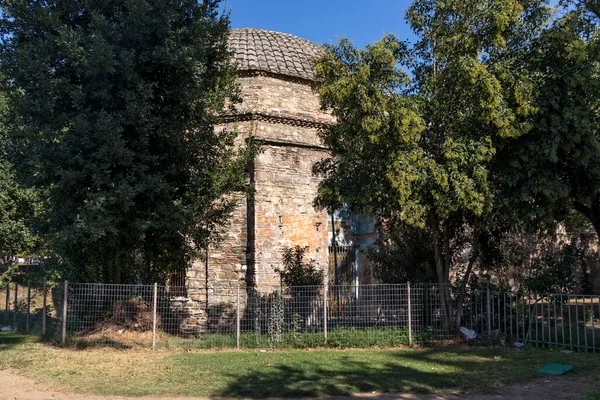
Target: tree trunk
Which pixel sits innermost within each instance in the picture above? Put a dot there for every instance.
(592, 213)
(5, 262)
(443, 261)
(463, 285)
(442, 269)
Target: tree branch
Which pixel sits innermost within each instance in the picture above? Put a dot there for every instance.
(582, 208)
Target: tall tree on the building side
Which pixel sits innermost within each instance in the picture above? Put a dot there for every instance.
(19, 206)
(419, 145)
(115, 105)
(555, 168)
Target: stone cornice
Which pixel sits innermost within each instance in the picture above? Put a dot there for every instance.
(289, 143)
(250, 73)
(293, 120)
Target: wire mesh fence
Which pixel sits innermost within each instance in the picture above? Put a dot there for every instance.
(545, 320)
(29, 307)
(293, 317)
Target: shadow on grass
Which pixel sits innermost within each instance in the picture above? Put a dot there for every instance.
(8, 340)
(83, 343)
(421, 371)
(310, 381)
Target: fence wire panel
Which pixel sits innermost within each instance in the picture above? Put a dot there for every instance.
(231, 316)
(370, 315)
(28, 307)
(304, 317)
(204, 320)
(434, 314)
(109, 315)
(282, 317)
(544, 320)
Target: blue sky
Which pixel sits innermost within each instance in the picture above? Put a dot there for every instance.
(324, 21)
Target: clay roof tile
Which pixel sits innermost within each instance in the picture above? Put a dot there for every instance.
(275, 52)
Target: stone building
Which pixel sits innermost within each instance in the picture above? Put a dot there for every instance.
(282, 112)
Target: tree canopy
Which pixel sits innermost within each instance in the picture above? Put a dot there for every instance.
(422, 148)
(114, 108)
(555, 167)
(19, 206)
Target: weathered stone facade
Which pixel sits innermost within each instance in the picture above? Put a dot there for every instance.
(282, 112)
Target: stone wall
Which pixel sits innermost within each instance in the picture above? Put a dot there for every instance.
(283, 98)
(212, 282)
(285, 216)
(284, 115)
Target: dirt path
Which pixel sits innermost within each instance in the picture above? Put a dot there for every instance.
(16, 387)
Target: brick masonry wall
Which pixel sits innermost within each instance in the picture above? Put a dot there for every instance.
(280, 213)
(285, 216)
(211, 298)
(279, 97)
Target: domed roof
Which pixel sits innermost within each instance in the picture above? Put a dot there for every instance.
(275, 52)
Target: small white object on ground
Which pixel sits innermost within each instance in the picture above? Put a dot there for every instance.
(6, 328)
(469, 334)
(518, 345)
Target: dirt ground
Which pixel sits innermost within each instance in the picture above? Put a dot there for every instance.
(17, 387)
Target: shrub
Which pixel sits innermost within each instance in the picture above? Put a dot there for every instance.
(553, 270)
(296, 272)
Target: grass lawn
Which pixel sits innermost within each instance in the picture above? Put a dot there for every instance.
(289, 373)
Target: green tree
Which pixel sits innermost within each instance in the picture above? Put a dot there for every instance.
(296, 271)
(555, 167)
(422, 150)
(402, 253)
(115, 105)
(18, 206)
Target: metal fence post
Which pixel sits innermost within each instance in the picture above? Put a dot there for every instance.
(409, 314)
(63, 338)
(15, 307)
(489, 312)
(28, 306)
(325, 290)
(237, 320)
(44, 310)
(7, 308)
(154, 296)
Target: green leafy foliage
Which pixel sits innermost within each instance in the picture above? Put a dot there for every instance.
(421, 150)
(553, 270)
(19, 206)
(115, 106)
(403, 253)
(555, 167)
(297, 272)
